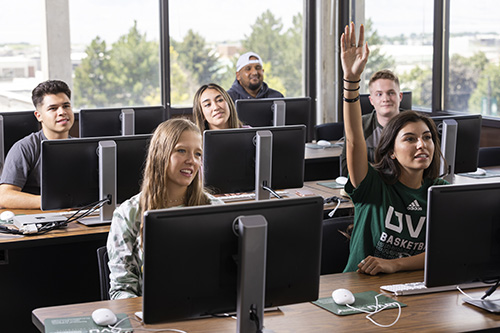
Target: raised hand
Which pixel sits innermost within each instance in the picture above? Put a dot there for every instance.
(353, 55)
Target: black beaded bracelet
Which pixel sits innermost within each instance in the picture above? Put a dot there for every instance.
(350, 100)
(352, 81)
(355, 89)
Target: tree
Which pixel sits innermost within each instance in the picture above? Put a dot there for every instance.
(487, 92)
(125, 75)
(92, 82)
(463, 79)
(378, 60)
(198, 59)
(419, 82)
(135, 67)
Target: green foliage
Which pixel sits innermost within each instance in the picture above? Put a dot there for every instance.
(125, 75)
(419, 82)
(378, 60)
(463, 80)
(487, 91)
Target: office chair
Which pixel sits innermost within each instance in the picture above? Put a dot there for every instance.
(102, 262)
(488, 156)
(335, 246)
(329, 131)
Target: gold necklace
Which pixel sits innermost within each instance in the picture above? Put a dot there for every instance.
(176, 200)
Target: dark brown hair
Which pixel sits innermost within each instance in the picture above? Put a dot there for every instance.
(390, 168)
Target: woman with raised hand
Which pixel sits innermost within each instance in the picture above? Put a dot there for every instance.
(390, 197)
(171, 179)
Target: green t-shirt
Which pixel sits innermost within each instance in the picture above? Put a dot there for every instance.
(389, 220)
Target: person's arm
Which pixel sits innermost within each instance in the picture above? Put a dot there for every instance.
(12, 197)
(354, 57)
(124, 263)
(372, 265)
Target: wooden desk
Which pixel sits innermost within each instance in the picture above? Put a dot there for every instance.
(458, 179)
(56, 268)
(438, 312)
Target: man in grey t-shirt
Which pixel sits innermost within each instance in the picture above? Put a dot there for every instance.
(20, 180)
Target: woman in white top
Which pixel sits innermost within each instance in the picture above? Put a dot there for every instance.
(171, 179)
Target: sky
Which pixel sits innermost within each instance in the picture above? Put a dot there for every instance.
(224, 19)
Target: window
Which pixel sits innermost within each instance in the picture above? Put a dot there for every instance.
(400, 36)
(115, 53)
(20, 40)
(474, 58)
(205, 44)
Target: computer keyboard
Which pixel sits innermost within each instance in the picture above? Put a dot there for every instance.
(231, 197)
(413, 288)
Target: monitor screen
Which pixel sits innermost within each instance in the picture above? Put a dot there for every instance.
(70, 170)
(468, 140)
(463, 234)
(367, 107)
(190, 257)
(258, 112)
(229, 158)
(107, 122)
(17, 125)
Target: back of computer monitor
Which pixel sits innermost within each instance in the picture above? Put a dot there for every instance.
(229, 158)
(201, 279)
(468, 140)
(17, 125)
(70, 170)
(463, 234)
(108, 121)
(100, 122)
(259, 112)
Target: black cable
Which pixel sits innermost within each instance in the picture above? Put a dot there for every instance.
(255, 318)
(270, 190)
(491, 290)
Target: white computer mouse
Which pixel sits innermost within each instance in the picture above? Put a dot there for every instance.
(323, 143)
(341, 180)
(104, 317)
(342, 296)
(7, 215)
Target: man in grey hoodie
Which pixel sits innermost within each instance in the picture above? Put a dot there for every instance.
(249, 81)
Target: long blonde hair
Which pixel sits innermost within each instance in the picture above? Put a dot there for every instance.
(233, 121)
(154, 193)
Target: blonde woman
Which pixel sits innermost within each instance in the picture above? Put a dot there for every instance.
(171, 179)
(214, 109)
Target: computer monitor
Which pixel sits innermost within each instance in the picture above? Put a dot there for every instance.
(112, 121)
(465, 148)
(367, 107)
(463, 234)
(15, 125)
(190, 257)
(259, 112)
(229, 158)
(70, 170)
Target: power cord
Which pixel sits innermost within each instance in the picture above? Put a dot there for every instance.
(378, 308)
(115, 329)
(43, 228)
(255, 318)
(273, 192)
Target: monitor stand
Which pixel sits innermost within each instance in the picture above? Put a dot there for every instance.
(279, 113)
(448, 147)
(252, 247)
(263, 163)
(485, 304)
(128, 121)
(107, 183)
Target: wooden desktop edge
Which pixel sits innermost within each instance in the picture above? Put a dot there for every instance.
(444, 311)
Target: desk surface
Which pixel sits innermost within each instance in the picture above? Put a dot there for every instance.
(444, 312)
(76, 229)
(313, 153)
